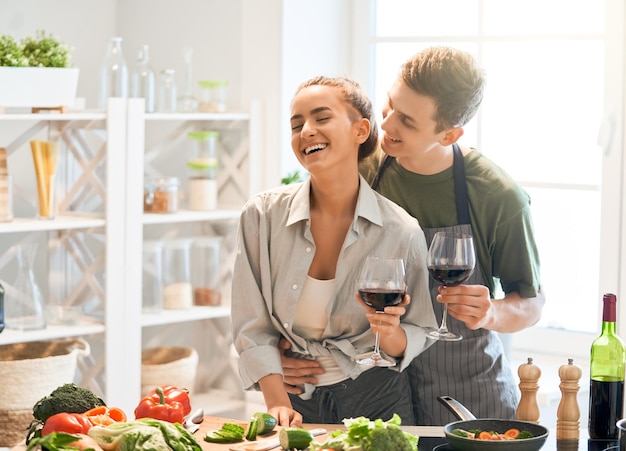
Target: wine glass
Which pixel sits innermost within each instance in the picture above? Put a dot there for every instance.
(381, 283)
(451, 260)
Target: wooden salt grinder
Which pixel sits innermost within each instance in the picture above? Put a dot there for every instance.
(568, 413)
(529, 374)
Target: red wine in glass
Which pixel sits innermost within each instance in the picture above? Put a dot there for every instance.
(379, 298)
(450, 261)
(381, 283)
(449, 275)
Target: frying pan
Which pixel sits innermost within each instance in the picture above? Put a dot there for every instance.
(469, 421)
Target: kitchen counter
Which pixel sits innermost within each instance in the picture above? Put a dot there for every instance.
(430, 437)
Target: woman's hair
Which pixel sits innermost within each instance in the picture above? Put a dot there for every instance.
(451, 78)
(356, 97)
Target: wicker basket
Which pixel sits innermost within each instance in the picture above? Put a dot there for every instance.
(29, 372)
(168, 365)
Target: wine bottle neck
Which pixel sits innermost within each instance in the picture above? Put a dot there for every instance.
(609, 328)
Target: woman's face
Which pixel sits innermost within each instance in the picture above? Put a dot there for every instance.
(325, 130)
(408, 125)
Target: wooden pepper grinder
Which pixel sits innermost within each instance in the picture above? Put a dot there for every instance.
(529, 374)
(568, 413)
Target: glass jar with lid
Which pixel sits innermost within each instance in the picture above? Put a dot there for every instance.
(160, 194)
(202, 164)
(212, 96)
(177, 288)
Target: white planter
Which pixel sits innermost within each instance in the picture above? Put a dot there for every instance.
(45, 87)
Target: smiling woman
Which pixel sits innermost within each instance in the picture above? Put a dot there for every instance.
(300, 249)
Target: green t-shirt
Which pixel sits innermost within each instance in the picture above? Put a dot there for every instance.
(499, 213)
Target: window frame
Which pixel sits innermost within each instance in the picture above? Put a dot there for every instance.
(612, 274)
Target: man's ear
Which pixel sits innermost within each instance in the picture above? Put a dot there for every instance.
(363, 130)
(451, 136)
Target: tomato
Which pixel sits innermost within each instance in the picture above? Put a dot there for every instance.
(72, 423)
(104, 416)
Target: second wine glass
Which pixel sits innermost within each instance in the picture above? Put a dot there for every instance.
(451, 260)
(380, 284)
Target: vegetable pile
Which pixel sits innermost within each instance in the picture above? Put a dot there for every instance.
(259, 424)
(364, 435)
(74, 418)
(511, 434)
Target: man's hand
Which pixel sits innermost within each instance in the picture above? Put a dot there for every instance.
(297, 371)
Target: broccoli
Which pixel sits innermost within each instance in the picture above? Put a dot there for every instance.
(67, 398)
(387, 438)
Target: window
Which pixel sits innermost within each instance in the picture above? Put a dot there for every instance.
(551, 65)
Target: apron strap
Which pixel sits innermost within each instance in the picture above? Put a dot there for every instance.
(381, 168)
(460, 186)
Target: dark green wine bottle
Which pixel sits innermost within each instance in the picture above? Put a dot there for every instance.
(606, 392)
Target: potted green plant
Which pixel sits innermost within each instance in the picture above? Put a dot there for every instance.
(37, 72)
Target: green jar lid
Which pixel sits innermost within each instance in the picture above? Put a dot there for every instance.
(202, 164)
(212, 83)
(203, 135)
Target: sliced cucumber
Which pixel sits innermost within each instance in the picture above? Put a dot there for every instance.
(266, 423)
(251, 429)
(294, 438)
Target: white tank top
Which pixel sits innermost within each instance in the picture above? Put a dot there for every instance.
(311, 320)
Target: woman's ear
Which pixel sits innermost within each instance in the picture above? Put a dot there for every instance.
(451, 136)
(363, 130)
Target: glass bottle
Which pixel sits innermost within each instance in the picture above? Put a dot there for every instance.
(24, 304)
(143, 79)
(167, 91)
(187, 102)
(606, 392)
(113, 74)
(152, 300)
(202, 193)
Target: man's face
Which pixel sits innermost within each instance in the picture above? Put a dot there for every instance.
(408, 122)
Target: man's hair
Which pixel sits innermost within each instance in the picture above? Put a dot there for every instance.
(451, 78)
(356, 97)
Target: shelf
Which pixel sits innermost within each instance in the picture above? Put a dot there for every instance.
(73, 116)
(58, 223)
(197, 116)
(189, 216)
(178, 316)
(86, 326)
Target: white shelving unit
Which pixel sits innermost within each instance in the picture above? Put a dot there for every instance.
(102, 200)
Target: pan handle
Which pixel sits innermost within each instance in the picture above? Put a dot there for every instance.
(457, 409)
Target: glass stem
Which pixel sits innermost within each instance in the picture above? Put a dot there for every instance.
(376, 355)
(444, 324)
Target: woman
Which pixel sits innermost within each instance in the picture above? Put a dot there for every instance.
(299, 252)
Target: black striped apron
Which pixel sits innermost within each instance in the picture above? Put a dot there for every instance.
(474, 370)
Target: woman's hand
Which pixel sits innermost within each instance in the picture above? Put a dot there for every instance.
(392, 336)
(286, 416)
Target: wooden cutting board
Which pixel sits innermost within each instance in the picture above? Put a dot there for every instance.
(211, 423)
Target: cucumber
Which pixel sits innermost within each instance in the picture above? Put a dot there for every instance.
(266, 423)
(294, 438)
(221, 436)
(251, 429)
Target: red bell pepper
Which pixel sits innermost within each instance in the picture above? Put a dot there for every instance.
(166, 403)
(71, 423)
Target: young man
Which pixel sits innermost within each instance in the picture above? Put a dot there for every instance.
(451, 187)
